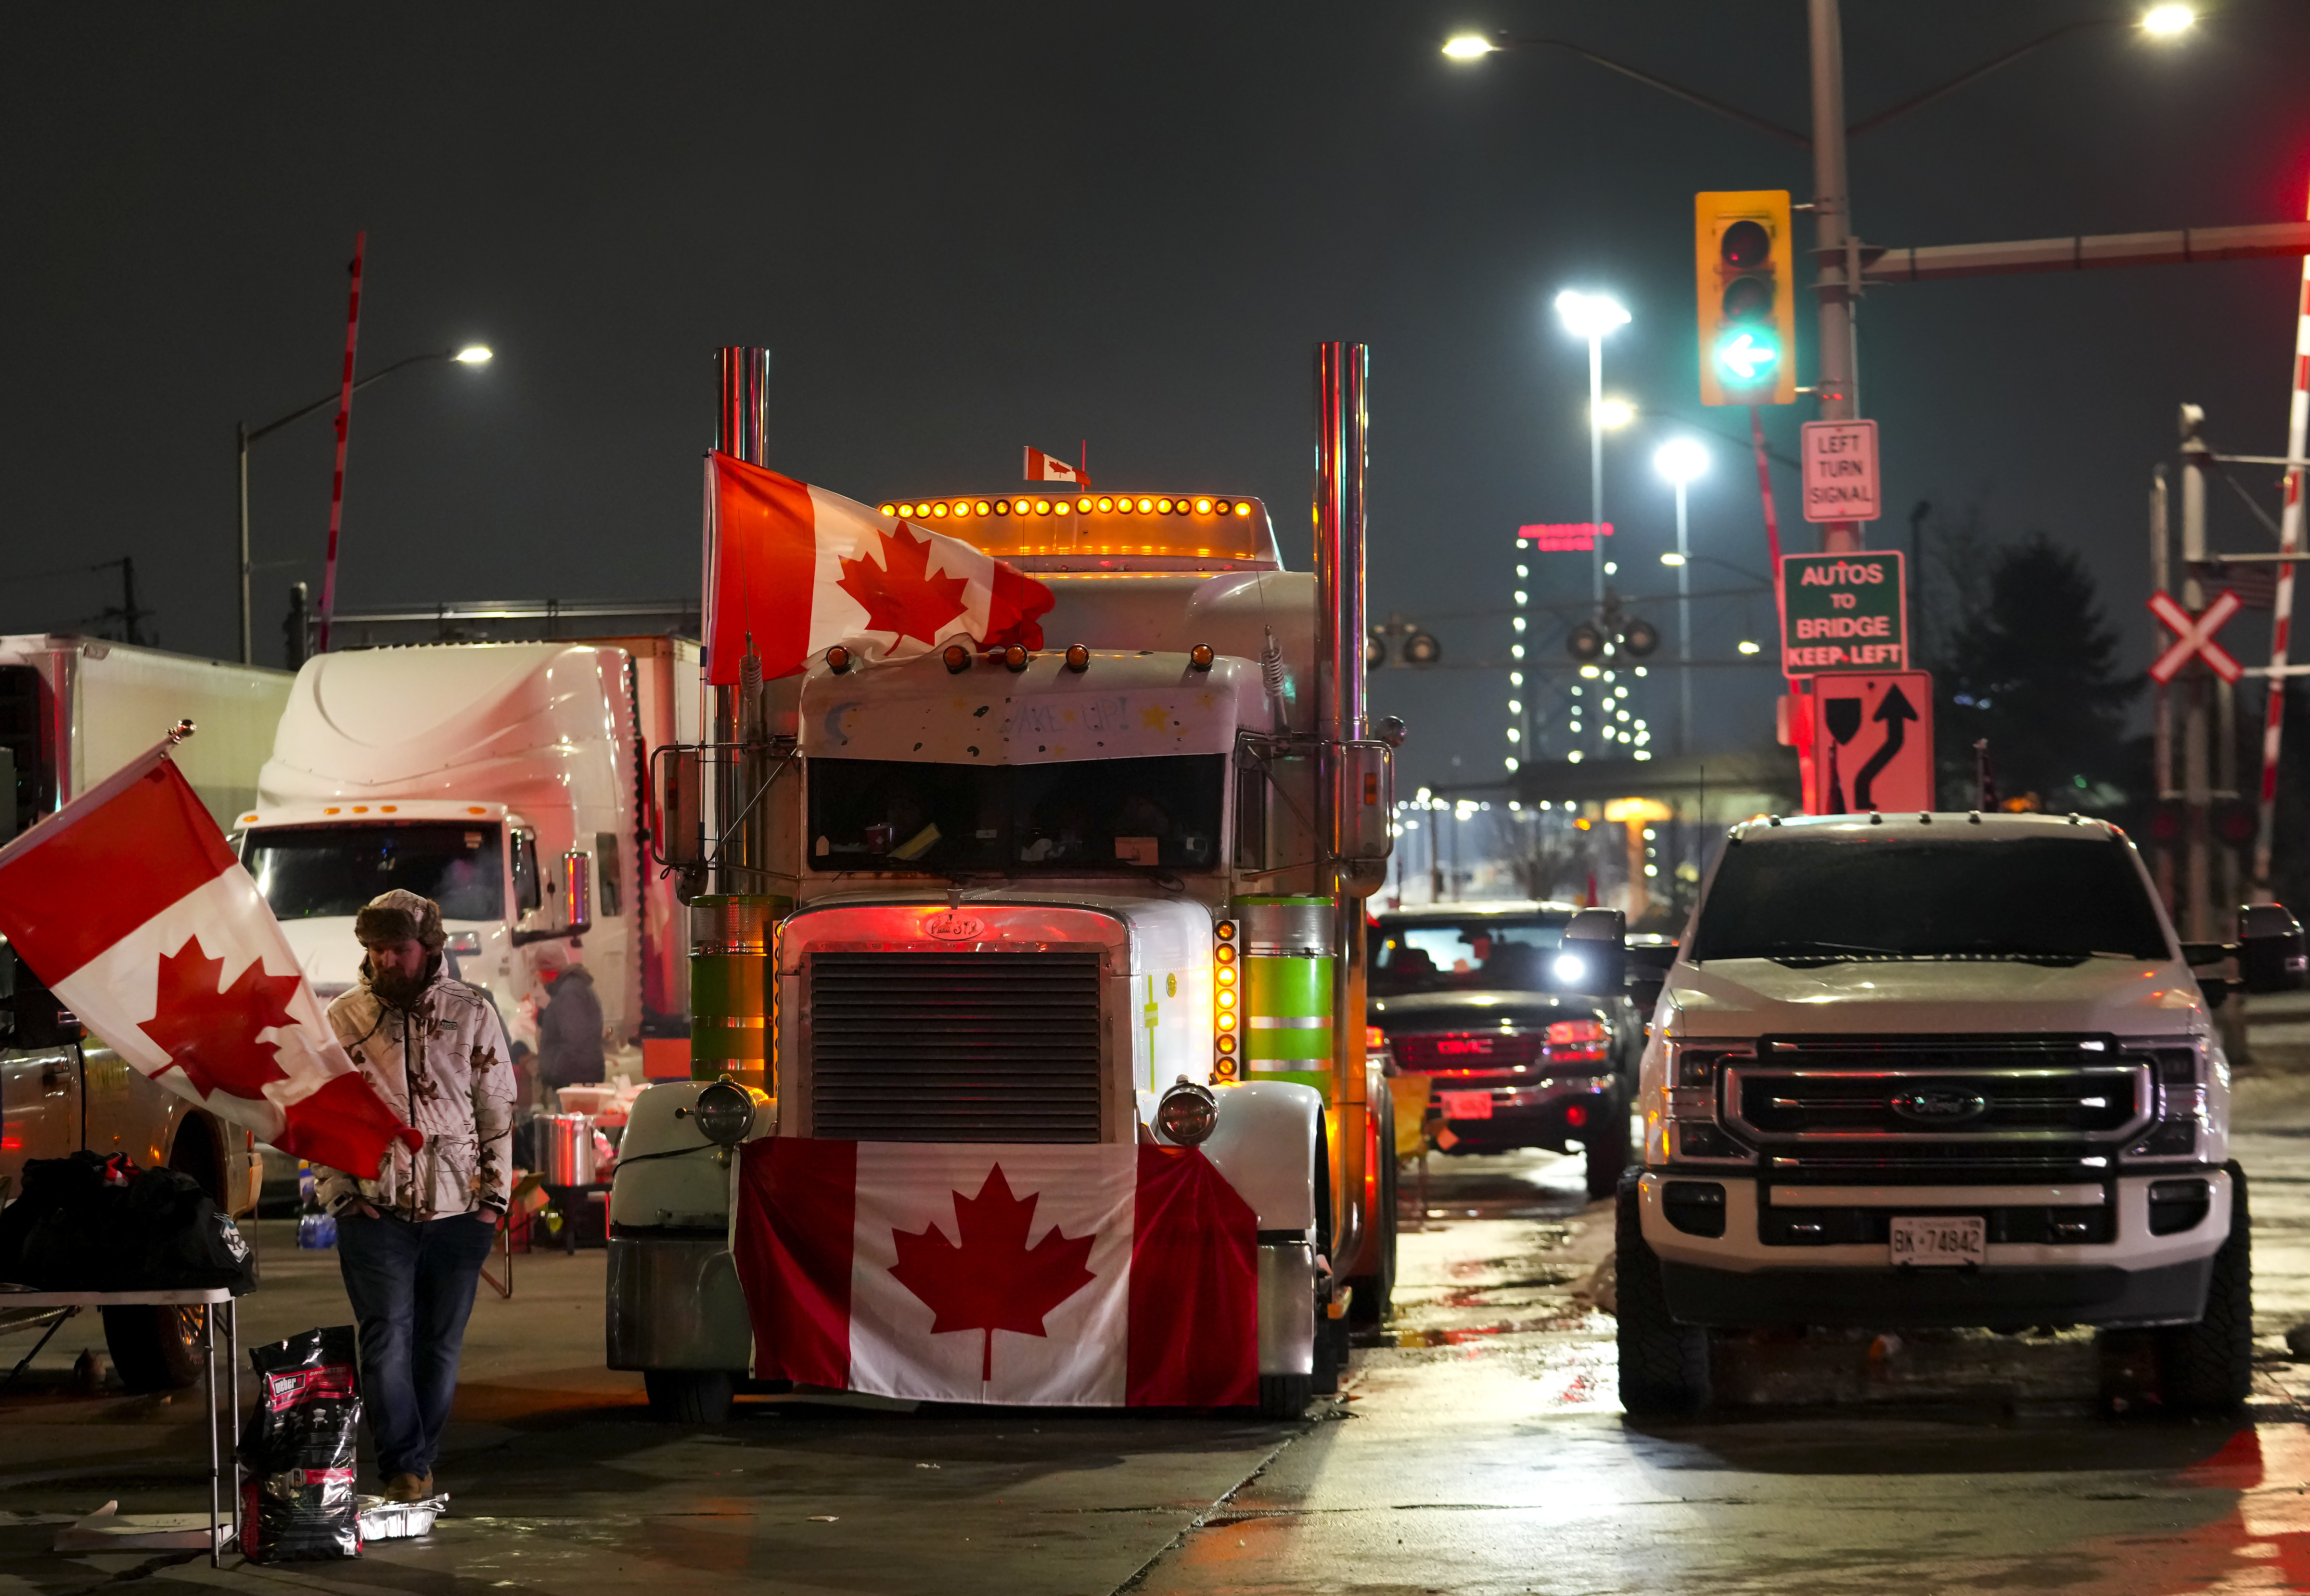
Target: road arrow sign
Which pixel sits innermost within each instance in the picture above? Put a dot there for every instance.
(1873, 744)
(2192, 634)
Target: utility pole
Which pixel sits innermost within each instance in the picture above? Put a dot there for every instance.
(2161, 547)
(2197, 784)
(1835, 251)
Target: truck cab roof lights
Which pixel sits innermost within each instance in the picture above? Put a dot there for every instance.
(1078, 658)
(1016, 658)
(837, 660)
(1201, 656)
(957, 658)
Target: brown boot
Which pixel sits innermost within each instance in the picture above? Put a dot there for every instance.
(406, 1488)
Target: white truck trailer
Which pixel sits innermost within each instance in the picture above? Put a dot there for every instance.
(73, 710)
(503, 780)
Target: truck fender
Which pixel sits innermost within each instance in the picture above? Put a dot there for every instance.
(1265, 1145)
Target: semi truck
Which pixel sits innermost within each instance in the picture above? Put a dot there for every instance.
(503, 780)
(73, 710)
(1933, 1071)
(1104, 893)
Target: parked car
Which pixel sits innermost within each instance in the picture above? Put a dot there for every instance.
(1529, 1042)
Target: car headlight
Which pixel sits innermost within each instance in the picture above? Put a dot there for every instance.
(724, 1113)
(1187, 1114)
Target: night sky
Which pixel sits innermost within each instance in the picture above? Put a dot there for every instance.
(963, 229)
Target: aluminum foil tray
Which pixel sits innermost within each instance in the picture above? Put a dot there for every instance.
(381, 1520)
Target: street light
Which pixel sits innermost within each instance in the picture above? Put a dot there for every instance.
(1615, 413)
(1592, 317)
(1467, 46)
(1682, 459)
(244, 435)
(2166, 20)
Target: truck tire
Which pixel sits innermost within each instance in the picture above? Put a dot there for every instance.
(2208, 1367)
(1607, 1152)
(1663, 1364)
(689, 1396)
(1285, 1396)
(155, 1348)
(1374, 1295)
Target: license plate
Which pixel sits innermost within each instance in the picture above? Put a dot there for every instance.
(1940, 1241)
(1467, 1104)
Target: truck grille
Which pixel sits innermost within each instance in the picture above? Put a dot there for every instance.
(1953, 1108)
(954, 1047)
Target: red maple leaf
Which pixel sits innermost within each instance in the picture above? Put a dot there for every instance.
(211, 1035)
(991, 1279)
(901, 595)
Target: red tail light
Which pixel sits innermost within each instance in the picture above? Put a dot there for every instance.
(1578, 1030)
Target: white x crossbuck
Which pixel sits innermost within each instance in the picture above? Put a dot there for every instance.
(2194, 634)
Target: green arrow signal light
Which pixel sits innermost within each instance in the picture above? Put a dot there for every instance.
(1747, 355)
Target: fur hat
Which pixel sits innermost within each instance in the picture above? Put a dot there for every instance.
(400, 916)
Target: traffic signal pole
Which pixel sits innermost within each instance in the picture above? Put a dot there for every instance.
(2197, 783)
(1834, 252)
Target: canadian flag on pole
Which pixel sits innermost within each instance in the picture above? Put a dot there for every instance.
(1102, 1276)
(130, 907)
(802, 570)
(1050, 468)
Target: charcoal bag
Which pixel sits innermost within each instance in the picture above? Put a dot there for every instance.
(297, 1502)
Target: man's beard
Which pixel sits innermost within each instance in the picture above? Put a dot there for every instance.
(401, 991)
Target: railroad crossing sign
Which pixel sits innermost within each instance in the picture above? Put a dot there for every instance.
(2194, 634)
(1872, 742)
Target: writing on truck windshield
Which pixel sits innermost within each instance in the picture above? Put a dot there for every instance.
(1089, 814)
(2056, 899)
(307, 872)
(1491, 953)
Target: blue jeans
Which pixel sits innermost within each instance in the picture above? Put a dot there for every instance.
(412, 1287)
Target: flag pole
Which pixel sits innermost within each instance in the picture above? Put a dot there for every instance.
(344, 420)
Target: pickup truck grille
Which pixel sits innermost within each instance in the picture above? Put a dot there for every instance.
(1954, 1109)
(920, 1046)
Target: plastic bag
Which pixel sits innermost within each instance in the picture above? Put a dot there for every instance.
(62, 1233)
(179, 1239)
(298, 1502)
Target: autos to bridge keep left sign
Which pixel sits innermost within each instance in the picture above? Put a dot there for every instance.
(1843, 613)
(1872, 742)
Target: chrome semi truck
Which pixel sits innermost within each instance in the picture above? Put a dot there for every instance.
(1101, 894)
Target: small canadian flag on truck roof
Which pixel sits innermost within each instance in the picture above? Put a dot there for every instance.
(1050, 468)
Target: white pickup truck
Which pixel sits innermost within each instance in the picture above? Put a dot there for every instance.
(1936, 1071)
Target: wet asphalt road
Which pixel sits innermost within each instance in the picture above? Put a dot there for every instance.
(1478, 1448)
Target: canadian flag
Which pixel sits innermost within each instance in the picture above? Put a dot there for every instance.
(1045, 1276)
(1050, 468)
(802, 569)
(130, 907)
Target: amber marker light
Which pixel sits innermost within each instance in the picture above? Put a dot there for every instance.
(985, 508)
(837, 659)
(1163, 507)
(1043, 507)
(938, 509)
(890, 509)
(1078, 659)
(1224, 931)
(1003, 506)
(958, 659)
(1203, 507)
(1016, 658)
(1201, 656)
(1105, 504)
(1122, 506)
(1243, 509)
(1223, 953)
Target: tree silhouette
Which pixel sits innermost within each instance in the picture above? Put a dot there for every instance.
(2029, 664)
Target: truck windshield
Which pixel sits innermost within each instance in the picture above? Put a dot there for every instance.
(1449, 956)
(2049, 898)
(308, 872)
(1076, 816)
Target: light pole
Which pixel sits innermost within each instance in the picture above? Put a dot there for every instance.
(1681, 460)
(244, 435)
(1591, 316)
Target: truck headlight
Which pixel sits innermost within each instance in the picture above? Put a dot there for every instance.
(724, 1113)
(1187, 1114)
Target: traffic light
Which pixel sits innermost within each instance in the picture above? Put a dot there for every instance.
(1745, 266)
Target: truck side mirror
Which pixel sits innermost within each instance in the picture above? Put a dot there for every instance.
(680, 836)
(1593, 955)
(2271, 954)
(1363, 792)
(577, 899)
(1649, 959)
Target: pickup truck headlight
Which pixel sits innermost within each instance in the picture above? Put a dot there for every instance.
(2181, 1116)
(1692, 1129)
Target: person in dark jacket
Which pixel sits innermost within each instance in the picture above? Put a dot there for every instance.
(569, 1031)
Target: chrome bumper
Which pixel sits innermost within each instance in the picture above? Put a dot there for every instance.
(673, 1303)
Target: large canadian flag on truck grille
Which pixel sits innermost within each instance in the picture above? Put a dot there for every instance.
(802, 570)
(1048, 1276)
(129, 904)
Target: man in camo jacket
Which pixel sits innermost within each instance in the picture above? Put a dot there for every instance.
(411, 1242)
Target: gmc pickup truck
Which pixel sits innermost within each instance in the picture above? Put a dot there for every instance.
(1937, 1071)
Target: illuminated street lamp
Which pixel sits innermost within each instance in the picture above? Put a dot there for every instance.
(1591, 316)
(468, 354)
(1681, 460)
(1470, 46)
(2164, 20)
